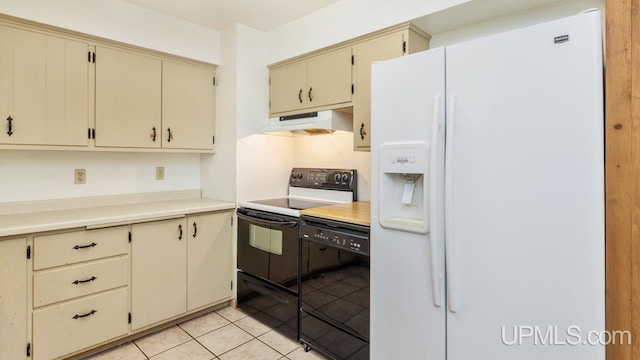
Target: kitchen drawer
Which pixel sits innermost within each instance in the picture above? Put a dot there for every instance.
(79, 246)
(50, 286)
(74, 325)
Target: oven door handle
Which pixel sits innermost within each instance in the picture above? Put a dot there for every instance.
(268, 222)
(267, 292)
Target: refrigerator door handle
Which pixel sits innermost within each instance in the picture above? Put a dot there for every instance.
(452, 276)
(434, 173)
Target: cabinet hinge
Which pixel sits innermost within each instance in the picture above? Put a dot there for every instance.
(269, 81)
(129, 318)
(353, 89)
(89, 133)
(89, 56)
(353, 59)
(129, 241)
(214, 81)
(231, 284)
(232, 221)
(404, 47)
(28, 349)
(29, 252)
(214, 139)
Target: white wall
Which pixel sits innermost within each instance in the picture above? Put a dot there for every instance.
(344, 20)
(41, 175)
(525, 18)
(44, 175)
(121, 21)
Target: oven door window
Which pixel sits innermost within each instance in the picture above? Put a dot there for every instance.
(265, 239)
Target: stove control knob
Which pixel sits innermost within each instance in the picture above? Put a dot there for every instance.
(345, 177)
(293, 175)
(338, 177)
(299, 175)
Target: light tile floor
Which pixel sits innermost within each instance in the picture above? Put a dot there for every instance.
(225, 334)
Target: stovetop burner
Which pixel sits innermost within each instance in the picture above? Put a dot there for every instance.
(310, 188)
(293, 203)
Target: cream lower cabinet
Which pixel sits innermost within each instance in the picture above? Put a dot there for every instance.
(127, 99)
(209, 259)
(158, 271)
(378, 49)
(188, 106)
(13, 299)
(44, 89)
(80, 290)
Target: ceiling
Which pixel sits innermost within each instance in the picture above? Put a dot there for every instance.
(264, 15)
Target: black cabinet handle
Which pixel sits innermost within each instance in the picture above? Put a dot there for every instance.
(170, 135)
(76, 317)
(363, 133)
(10, 128)
(84, 246)
(180, 229)
(84, 281)
(153, 136)
(300, 96)
(195, 229)
(310, 98)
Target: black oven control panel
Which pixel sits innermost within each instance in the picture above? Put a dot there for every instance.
(328, 179)
(346, 239)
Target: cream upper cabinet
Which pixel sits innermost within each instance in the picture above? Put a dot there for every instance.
(317, 82)
(44, 86)
(378, 49)
(287, 90)
(158, 271)
(13, 298)
(188, 106)
(209, 251)
(127, 99)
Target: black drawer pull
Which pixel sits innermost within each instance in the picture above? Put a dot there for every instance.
(180, 228)
(84, 246)
(76, 317)
(84, 281)
(10, 130)
(195, 229)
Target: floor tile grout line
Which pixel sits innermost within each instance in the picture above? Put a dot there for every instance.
(163, 351)
(143, 353)
(196, 340)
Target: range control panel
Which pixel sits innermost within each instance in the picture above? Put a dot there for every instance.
(354, 241)
(328, 179)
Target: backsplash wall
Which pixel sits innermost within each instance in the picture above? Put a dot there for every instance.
(45, 175)
(334, 151)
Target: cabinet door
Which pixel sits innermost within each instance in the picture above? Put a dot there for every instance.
(209, 266)
(158, 271)
(127, 99)
(67, 92)
(44, 89)
(288, 87)
(13, 298)
(6, 81)
(379, 49)
(188, 106)
(329, 78)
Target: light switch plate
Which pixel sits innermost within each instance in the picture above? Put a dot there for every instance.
(160, 173)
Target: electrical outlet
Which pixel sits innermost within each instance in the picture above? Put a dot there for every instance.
(160, 173)
(80, 176)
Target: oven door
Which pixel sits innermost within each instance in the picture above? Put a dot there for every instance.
(268, 246)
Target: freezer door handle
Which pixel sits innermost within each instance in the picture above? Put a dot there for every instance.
(434, 173)
(450, 259)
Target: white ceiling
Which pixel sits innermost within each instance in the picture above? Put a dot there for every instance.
(263, 15)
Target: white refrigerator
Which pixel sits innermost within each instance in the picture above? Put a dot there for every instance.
(487, 224)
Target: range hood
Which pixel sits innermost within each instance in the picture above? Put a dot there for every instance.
(320, 122)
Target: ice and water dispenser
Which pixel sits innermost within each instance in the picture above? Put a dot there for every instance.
(404, 186)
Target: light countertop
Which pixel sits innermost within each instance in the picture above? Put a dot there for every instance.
(357, 212)
(102, 216)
